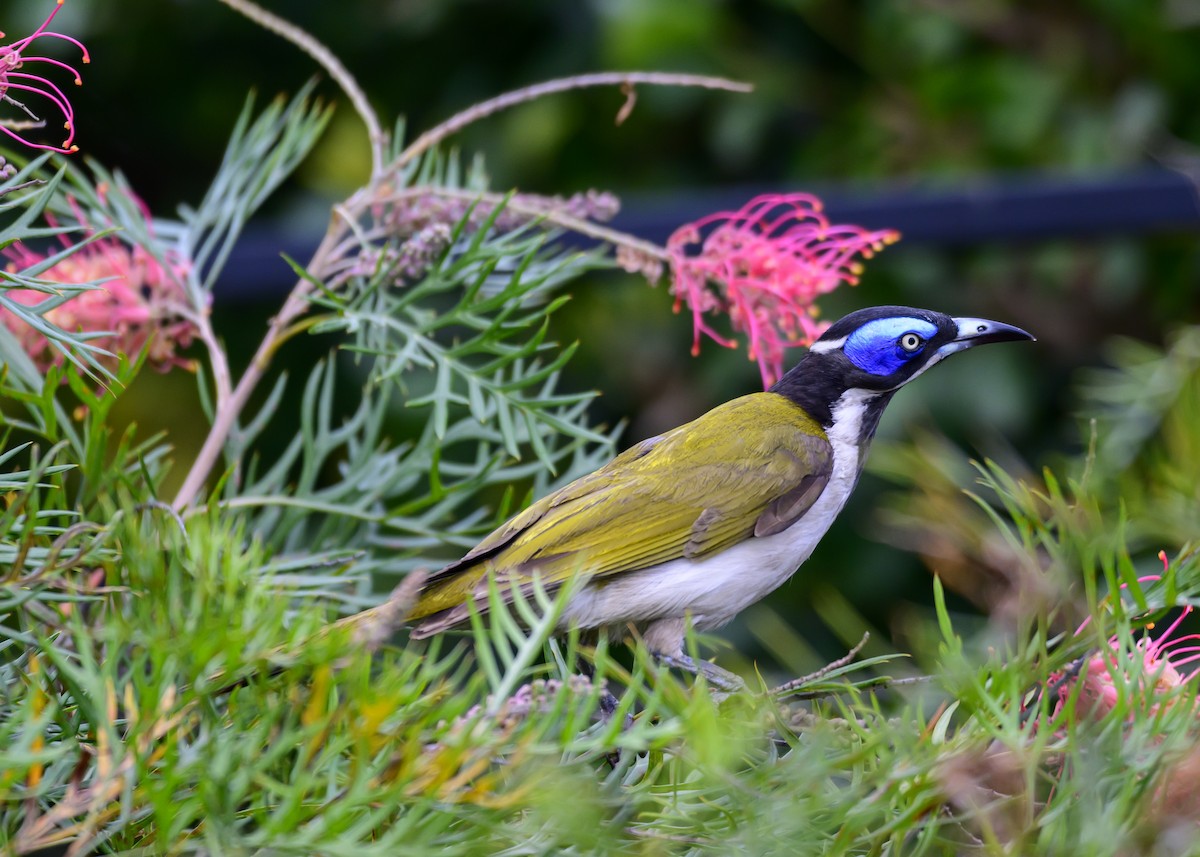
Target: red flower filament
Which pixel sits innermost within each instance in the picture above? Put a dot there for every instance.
(1163, 658)
(16, 82)
(765, 266)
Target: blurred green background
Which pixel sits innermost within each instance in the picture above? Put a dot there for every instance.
(852, 98)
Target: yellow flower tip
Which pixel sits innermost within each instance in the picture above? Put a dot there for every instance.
(853, 281)
(87, 58)
(856, 268)
(60, 2)
(78, 81)
(1162, 557)
(74, 148)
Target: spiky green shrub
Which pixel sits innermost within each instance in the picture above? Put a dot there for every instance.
(178, 674)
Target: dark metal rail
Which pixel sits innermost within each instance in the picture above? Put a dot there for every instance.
(1020, 208)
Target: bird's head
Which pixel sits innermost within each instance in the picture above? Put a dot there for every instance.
(878, 350)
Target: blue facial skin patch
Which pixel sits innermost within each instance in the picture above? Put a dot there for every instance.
(875, 347)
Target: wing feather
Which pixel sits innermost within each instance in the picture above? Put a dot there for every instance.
(751, 467)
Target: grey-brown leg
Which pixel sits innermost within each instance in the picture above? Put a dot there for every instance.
(664, 638)
(719, 679)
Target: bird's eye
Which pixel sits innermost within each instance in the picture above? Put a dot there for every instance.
(911, 342)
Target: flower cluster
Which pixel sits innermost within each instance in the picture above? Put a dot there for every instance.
(1155, 679)
(136, 306)
(414, 214)
(764, 266)
(15, 78)
(419, 252)
(423, 220)
(410, 261)
(1152, 671)
(537, 697)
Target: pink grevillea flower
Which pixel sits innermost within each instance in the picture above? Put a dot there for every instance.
(1104, 674)
(765, 266)
(138, 306)
(1164, 663)
(18, 84)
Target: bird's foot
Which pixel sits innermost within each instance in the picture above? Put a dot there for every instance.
(609, 704)
(721, 680)
(608, 709)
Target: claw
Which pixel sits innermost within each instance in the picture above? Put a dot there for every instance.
(721, 680)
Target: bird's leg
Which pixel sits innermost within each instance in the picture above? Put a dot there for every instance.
(720, 679)
(665, 637)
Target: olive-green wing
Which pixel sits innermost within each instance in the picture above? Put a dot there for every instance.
(748, 468)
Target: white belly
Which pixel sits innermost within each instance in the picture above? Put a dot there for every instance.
(714, 589)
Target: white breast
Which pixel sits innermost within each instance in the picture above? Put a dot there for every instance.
(716, 588)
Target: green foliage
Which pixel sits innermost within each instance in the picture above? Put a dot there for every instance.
(21, 208)
(174, 678)
(1147, 410)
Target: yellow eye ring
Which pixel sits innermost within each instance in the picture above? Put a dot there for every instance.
(911, 342)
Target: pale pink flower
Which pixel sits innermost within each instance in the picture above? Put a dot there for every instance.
(765, 266)
(1104, 674)
(137, 307)
(17, 84)
(1155, 680)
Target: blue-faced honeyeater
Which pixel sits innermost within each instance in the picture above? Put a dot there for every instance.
(704, 520)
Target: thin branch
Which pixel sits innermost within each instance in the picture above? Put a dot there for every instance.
(882, 683)
(626, 80)
(225, 417)
(21, 186)
(327, 254)
(310, 45)
(222, 379)
(323, 261)
(789, 686)
(548, 213)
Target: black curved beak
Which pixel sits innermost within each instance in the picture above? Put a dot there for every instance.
(981, 331)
